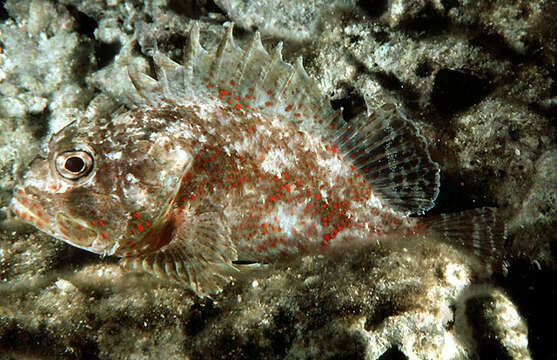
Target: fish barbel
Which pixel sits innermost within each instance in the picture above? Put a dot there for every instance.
(235, 155)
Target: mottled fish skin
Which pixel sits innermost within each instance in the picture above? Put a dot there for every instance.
(234, 156)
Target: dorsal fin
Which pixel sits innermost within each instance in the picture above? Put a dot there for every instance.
(250, 79)
(388, 149)
(385, 146)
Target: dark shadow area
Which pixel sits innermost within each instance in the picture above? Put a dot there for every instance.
(535, 294)
(186, 8)
(85, 25)
(212, 7)
(39, 343)
(489, 344)
(429, 22)
(4, 15)
(455, 196)
(70, 257)
(424, 69)
(282, 333)
(454, 91)
(393, 354)
(373, 8)
(105, 53)
(352, 105)
(38, 123)
(194, 8)
(199, 316)
(449, 4)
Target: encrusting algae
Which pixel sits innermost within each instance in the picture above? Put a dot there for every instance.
(235, 156)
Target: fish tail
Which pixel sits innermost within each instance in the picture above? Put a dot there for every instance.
(480, 231)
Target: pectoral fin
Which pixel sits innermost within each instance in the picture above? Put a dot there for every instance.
(200, 253)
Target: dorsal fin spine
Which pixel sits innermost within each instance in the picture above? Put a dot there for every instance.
(159, 69)
(254, 46)
(276, 59)
(144, 85)
(220, 53)
(190, 50)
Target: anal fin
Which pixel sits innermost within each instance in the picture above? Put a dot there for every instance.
(200, 254)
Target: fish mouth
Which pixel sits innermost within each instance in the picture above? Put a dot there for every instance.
(30, 210)
(61, 225)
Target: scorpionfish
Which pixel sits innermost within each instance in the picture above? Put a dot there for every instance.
(235, 156)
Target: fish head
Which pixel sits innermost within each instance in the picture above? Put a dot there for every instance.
(102, 184)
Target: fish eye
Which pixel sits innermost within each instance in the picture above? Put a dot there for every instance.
(74, 165)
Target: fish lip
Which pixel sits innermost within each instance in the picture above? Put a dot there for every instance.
(28, 209)
(20, 200)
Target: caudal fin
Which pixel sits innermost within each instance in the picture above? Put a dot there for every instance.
(480, 231)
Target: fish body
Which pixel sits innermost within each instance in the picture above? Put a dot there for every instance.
(234, 155)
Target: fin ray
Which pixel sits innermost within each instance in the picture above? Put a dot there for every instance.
(481, 231)
(199, 254)
(390, 152)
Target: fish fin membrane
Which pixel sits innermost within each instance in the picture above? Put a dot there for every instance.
(480, 231)
(249, 79)
(388, 149)
(200, 254)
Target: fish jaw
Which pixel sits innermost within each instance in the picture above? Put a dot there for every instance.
(30, 210)
(60, 225)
